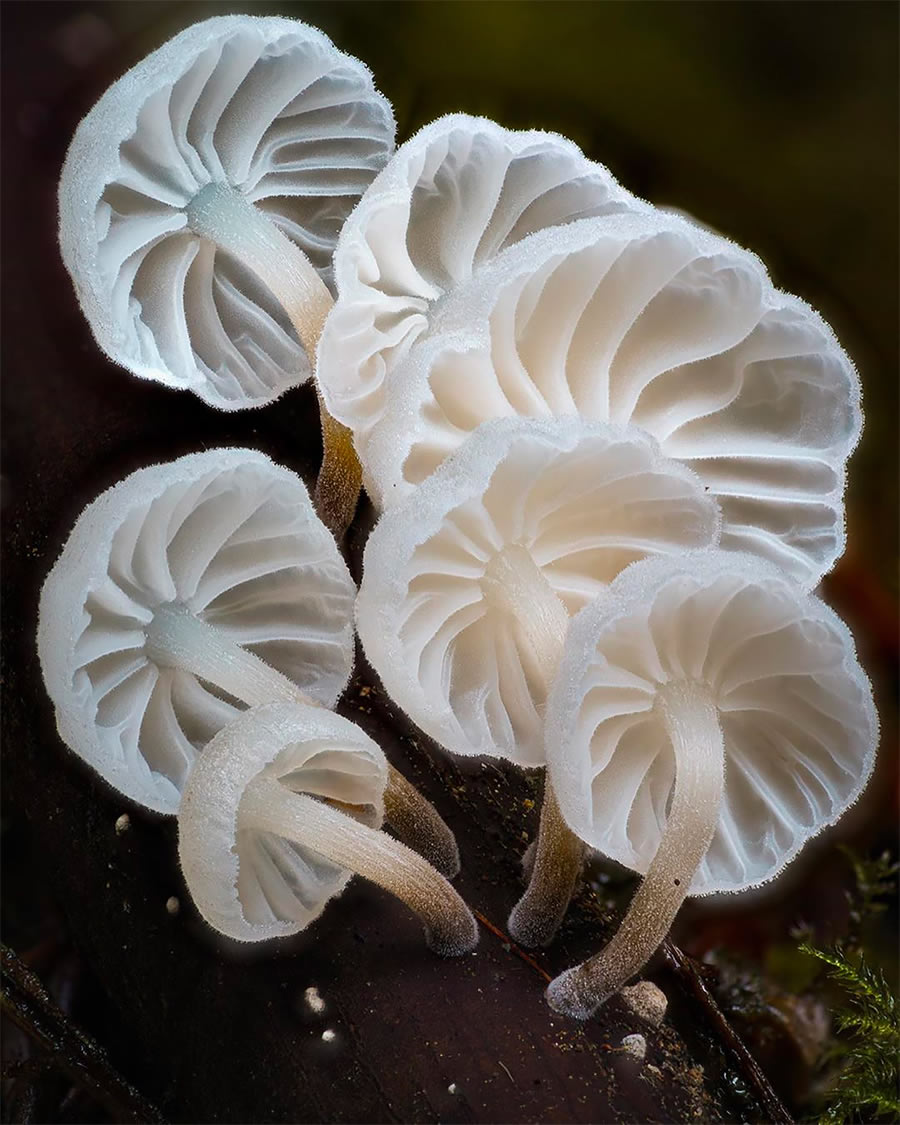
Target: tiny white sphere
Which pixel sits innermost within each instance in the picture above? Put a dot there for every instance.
(635, 1046)
(313, 1000)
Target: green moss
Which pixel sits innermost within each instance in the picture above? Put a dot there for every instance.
(866, 1013)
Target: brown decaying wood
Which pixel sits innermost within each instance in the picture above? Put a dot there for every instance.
(27, 1003)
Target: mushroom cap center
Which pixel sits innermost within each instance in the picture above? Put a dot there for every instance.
(212, 199)
(157, 631)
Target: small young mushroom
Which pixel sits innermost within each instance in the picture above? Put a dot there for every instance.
(282, 807)
(647, 320)
(451, 198)
(188, 589)
(199, 206)
(708, 718)
(468, 585)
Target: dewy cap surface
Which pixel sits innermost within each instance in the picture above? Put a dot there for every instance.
(267, 107)
(647, 320)
(582, 500)
(795, 708)
(229, 537)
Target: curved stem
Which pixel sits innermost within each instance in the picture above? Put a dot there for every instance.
(417, 822)
(340, 477)
(514, 583)
(226, 217)
(692, 723)
(450, 928)
(177, 638)
(557, 862)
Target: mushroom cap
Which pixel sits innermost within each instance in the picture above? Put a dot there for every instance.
(266, 105)
(450, 199)
(250, 884)
(648, 320)
(232, 537)
(795, 707)
(584, 499)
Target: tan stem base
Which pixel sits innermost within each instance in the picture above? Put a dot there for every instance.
(450, 929)
(417, 823)
(340, 476)
(556, 865)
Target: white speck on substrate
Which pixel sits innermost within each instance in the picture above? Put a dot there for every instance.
(314, 1001)
(451, 1089)
(646, 1001)
(172, 905)
(123, 823)
(635, 1046)
(327, 1035)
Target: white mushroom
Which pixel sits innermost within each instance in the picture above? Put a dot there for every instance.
(644, 319)
(281, 809)
(201, 199)
(208, 572)
(707, 719)
(468, 586)
(451, 198)
(188, 590)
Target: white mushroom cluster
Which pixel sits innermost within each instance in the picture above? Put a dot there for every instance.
(610, 458)
(190, 600)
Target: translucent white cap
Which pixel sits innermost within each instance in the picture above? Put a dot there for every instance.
(451, 198)
(232, 538)
(584, 500)
(795, 707)
(648, 320)
(252, 884)
(268, 106)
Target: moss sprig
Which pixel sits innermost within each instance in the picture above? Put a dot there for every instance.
(867, 1087)
(876, 880)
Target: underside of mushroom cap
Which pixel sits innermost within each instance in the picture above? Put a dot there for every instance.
(451, 198)
(268, 106)
(226, 535)
(252, 884)
(648, 320)
(582, 500)
(795, 708)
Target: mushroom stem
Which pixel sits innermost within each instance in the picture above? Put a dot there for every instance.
(340, 477)
(226, 217)
(450, 929)
(557, 863)
(416, 821)
(692, 723)
(177, 638)
(515, 583)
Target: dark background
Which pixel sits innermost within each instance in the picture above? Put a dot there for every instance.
(776, 124)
